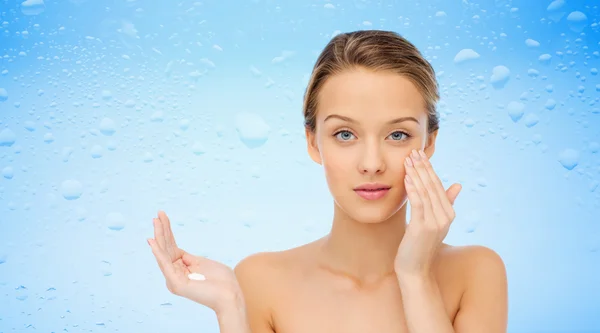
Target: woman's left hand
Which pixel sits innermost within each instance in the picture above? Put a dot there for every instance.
(430, 218)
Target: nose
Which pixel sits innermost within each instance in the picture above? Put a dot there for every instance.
(372, 160)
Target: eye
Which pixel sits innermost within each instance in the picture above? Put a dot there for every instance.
(343, 135)
(399, 136)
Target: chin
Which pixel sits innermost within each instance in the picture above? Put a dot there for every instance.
(368, 213)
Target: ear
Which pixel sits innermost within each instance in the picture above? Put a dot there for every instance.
(313, 148)
(430, 144)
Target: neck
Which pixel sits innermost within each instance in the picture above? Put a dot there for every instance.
(363, 252)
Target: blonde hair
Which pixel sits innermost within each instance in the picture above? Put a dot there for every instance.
(376, 50)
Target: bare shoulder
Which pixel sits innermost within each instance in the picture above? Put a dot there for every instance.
(256, 275)
(269, 266)
(262, 276)
(256, 264)
(472, 255)
(473, 263)
(474, 259)
(484, 302)
(260, 271)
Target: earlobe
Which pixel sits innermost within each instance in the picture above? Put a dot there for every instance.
(313, 148)
(430, 144)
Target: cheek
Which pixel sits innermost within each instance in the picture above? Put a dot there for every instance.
(395, 167)
(338, 162)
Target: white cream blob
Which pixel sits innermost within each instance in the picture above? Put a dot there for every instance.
(196, 276)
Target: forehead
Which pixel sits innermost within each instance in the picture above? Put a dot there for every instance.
(362, 94)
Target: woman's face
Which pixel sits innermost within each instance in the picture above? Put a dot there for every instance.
(367, 123)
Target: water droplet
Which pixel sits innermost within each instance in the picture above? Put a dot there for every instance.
(7, 137)
(71, 189)
(531, 120)
(532, 43)
(550, 104)
(516, 110)
(48, 138)
(157, 116)
(29, 125)
(252, 129)
(532, 73)
(482, 182)
(577, 21)
(3, 95)
(106, 95)
(500, 76)
(66, 153)
(32, 7)
(184, 124)
(148, 158)
(440, 17)
(130, 103)
(465, 55)
(115, 221)
(111, 145)
(545, 59)
(472, 221)
(569, 158)
(556, 10)
(96, 151)
(8, 172)
(107, 127)
(81, 214)
(198, 148)
(594, 147)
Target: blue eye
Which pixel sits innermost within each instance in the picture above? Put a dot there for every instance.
(344, 135)
(398, 136)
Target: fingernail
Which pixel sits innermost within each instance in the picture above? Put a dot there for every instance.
(415, 155)
(423, 155)
(408, 180)
(409, 162)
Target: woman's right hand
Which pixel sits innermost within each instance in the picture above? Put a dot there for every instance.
(219, 291)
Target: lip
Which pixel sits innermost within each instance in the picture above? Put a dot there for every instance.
(372, 191)
(372, 187)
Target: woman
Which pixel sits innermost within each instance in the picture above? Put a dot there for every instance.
(371, 122)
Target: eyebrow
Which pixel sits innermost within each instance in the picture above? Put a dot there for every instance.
(391, 122)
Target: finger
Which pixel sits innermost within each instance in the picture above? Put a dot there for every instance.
(169, 238)
(452, 192)
(192, 260)
(164, 262)
(188, 259)
(181, 266)
(416, 205)
(420, 199)
(159, 235)
(437, 210)
(436, 186)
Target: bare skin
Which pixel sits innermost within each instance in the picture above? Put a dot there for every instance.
(293, 291)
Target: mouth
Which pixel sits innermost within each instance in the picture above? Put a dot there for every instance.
(372, 191)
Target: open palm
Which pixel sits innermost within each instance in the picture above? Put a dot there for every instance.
(220, 286)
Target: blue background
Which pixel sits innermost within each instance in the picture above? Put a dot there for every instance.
(112, 110)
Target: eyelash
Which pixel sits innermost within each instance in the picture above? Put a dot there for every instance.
(406, 135)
